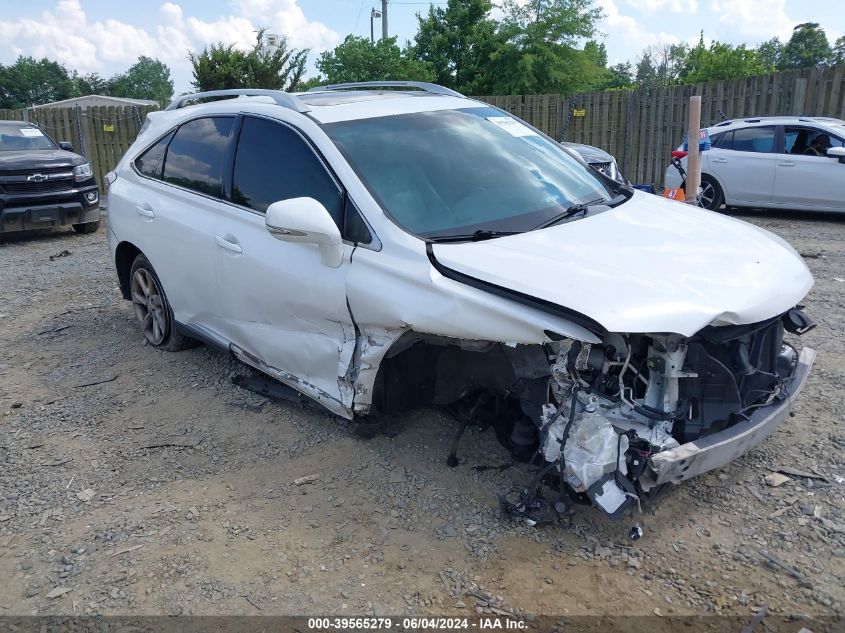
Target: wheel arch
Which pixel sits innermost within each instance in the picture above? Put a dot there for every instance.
(124, 255)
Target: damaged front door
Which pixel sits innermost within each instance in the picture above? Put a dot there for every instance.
(285, 309)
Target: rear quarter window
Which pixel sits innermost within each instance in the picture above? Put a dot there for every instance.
(149, 163)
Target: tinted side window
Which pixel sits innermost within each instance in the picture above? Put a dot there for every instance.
(716, 139)
(750, 139)
(274, 163)
(149, 163)
(196, 155)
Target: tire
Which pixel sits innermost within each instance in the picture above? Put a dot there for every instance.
(152, 309)
(87, 227)
(712, 197)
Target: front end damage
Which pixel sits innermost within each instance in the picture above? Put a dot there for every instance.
(613, 421)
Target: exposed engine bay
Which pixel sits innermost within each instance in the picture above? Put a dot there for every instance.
(593, 417)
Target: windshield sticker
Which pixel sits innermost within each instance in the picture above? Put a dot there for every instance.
(511, 126)
(31, 131)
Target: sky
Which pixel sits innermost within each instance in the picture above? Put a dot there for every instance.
(107, 36)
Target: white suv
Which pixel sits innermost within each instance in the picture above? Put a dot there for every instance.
(773, 162)
(379, 249)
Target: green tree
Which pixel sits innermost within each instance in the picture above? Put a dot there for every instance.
(770, 53)
(91, 84)
(538, 49)
(455, 42)
(30, 82)
(146, 79)
(719, 61)
(219, 66)
(618, 76)
(839, 51)
(807, 47)
(358, 59)
(659, 65)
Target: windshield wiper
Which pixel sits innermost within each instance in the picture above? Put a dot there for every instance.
(477, 236)
(584, 207)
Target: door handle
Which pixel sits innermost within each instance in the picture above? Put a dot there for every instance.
(233, 247)
(719, 160)
(786, 163)
(145, 210)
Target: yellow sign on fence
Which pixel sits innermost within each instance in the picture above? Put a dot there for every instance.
(581, 112)
(108, 127)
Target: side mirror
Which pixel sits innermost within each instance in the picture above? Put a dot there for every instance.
(66, 145)
(837, 152)
(306, 220)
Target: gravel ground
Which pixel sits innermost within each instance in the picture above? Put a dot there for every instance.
(165, 489)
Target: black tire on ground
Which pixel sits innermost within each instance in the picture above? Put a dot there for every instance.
(712, 197)
(87, 227)
(152, 309)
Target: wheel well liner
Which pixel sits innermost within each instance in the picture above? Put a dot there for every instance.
(124, 255)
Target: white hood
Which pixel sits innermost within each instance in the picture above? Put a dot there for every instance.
(650, 265)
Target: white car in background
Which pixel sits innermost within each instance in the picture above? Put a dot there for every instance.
(772, 162)
(378, 250)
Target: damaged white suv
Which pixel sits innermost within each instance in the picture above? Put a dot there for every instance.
(377, 247)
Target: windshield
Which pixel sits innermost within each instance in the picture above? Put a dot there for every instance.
(454, 172)
(14, 138)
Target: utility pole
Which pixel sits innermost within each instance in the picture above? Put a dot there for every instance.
(539, 4)
(384, 19)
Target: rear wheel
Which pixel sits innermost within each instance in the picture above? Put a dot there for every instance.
(87, 227)
(711, 196)
(152, 310)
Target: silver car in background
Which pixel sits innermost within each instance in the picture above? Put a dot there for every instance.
(772, 162)
(598, 159)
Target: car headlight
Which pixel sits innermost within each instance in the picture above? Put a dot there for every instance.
(82, 172)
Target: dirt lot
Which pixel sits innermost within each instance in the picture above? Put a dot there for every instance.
(91, 502)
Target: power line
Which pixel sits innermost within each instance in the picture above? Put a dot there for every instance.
(358, 17)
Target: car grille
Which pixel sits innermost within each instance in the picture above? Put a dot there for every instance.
(63, 184)
(39, 170)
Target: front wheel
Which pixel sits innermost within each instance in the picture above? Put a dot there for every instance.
(152, 310)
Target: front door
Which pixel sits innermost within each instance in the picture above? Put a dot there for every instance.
(804, 179)
(285, 311)
(177, 213)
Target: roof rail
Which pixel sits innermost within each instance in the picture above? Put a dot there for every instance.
(284, 99)
(419, 85)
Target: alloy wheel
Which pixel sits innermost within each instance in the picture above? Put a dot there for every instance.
(706, 195)
(148, 302)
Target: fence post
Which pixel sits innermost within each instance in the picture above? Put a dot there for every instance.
(83, 146)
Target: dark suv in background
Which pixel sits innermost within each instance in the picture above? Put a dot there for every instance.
(43, 184)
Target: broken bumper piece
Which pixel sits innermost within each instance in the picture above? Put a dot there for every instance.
(716, 450)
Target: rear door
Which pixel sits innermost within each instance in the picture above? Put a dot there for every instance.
(806, 180)
(744, 161)
(178, 210)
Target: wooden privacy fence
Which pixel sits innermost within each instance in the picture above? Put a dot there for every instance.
(100, 134)
(642, 127)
